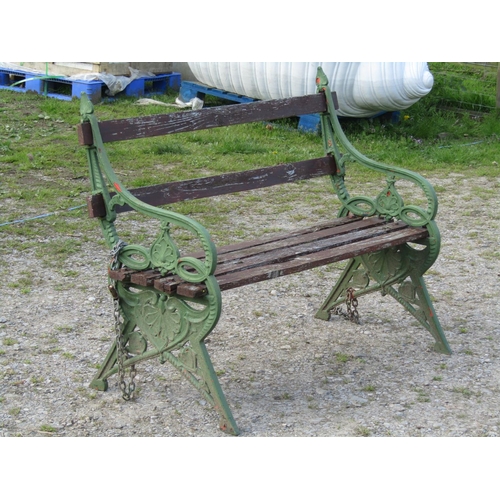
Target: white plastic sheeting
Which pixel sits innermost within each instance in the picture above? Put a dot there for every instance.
(363, 89)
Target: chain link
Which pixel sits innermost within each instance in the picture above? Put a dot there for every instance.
(121, 351)
(351, 303)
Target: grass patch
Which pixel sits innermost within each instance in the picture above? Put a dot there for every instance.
(48, 428)
(362, 431)
(44, 171)
(422, 396)
(342, 358)
(464, 391)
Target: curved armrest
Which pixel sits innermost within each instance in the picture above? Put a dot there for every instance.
(388, 203)
(164, 254)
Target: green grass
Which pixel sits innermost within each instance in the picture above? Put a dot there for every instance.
(465, 86)
(43, 170)
(362, 431)
(342, 358)
(48, 429)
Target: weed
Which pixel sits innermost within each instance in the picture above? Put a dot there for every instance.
(422, 396)
(64, 329)
(47, 428)
(362, 431)
(342, 358)
(464, 391)
(9, 341)
(285, 396)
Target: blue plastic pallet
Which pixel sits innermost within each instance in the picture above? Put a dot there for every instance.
(308, 123)
(190, 90)
(66, 89)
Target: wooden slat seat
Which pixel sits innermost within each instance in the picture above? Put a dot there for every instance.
(286, 253)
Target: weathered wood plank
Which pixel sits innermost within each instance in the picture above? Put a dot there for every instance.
(297, 247)
(217, 185)
(145, 278)
(96, 206)
(220, 116)
(168, 284)
(123, 274)
(281, 236)
(304, 262)
(284, 261)
(293, 242)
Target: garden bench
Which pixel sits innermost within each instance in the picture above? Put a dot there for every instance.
(166, 301)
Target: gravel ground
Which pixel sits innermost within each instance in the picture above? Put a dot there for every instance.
(284, 373)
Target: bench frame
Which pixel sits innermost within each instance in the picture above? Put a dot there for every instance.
(166, 303)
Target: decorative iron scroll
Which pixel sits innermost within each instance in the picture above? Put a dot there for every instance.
(388, 204)
(164, 253)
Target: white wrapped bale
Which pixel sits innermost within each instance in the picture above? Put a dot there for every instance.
(363, 89)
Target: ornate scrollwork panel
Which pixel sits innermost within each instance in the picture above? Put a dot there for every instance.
(385, 265)
(135, 257)
(169, 321)
(164, 252)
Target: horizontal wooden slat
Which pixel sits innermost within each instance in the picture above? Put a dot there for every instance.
(293, 241)
(222, 251)
(288, 254)
(310, 261)
(192, 189)
(145, 278)
(219, 116)
(297, 247)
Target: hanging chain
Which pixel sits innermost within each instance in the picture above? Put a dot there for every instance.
(121, 352)
(351, 303)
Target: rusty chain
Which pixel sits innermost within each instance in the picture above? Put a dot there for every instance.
(121, 351)
(351, 303)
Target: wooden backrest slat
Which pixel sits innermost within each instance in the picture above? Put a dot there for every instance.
(233, 182)
(189, 121)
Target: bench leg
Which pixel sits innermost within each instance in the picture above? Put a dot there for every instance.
(193, 362)
(414, 297)
(227, 422)
(171, 329)
(100, 381)
(395, 272)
